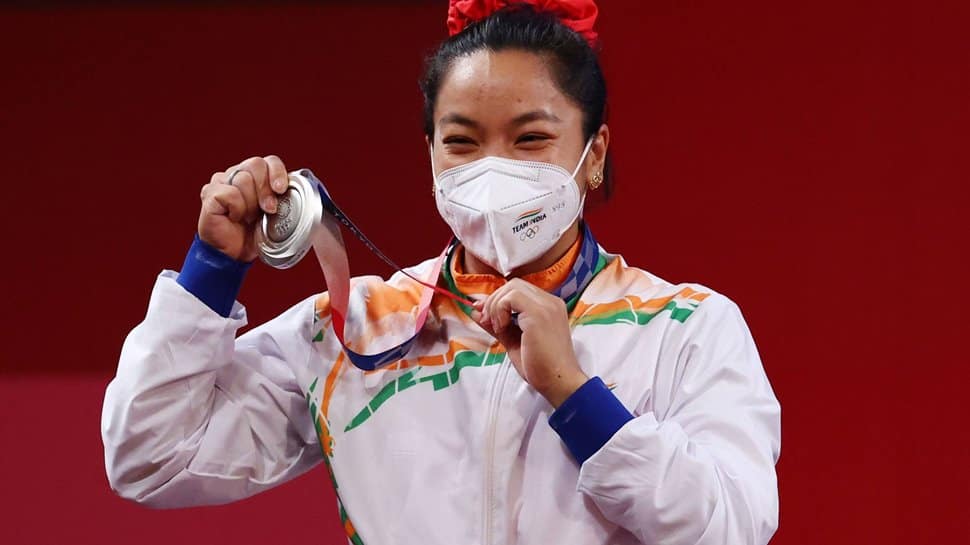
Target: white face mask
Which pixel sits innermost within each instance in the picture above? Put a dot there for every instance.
(506, 212)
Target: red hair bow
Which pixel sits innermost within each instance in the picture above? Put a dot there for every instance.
(578, 15)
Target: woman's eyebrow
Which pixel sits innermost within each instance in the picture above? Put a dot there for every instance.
(535, 115)
(457, 119)
(522, 119)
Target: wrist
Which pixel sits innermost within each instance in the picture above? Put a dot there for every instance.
(212, 276)
(589, 418)
(563, 385)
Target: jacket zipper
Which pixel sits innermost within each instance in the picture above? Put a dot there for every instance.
(495, 401)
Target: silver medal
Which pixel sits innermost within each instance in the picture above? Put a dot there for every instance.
(285, 237)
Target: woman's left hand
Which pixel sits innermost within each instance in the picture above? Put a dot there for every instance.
(541, 346)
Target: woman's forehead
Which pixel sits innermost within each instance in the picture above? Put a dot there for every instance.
(501, 85)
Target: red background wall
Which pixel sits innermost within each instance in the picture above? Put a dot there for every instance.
(807, 159)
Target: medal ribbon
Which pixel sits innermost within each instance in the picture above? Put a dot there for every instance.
(331, 254)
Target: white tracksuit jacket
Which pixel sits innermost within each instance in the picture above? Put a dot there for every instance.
(451, 446)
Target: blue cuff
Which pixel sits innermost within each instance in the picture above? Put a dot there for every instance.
(589, 418)
(212, 276)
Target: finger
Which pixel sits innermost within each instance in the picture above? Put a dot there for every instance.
(495, 311)
(259, 170)
(518, 304)
(279, 180)
(484, 321)
(488, 306)
(479, 306)
(476, 312)
(511, 301)
(224, 200)
(491, 309)
(504, 303)
(245, 184)
(217, 178)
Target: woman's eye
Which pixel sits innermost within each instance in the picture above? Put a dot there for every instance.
(457, 140)
(526, 138)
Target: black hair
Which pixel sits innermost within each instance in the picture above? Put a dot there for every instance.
(571, 59)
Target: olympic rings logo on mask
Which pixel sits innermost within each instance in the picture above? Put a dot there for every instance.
(531, 232)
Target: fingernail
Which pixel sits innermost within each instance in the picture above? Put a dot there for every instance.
(279, 185)
(269, 205)
(477, 316)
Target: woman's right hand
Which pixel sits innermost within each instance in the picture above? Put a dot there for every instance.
(231, 213)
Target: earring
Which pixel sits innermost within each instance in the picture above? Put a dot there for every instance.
(596, 181)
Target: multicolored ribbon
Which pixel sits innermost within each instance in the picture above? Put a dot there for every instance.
(331, 253)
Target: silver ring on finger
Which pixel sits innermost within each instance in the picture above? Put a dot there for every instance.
(233, 175)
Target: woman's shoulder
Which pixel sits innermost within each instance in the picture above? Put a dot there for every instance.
(622, 286)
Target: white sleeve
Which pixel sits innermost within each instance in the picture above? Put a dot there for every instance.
(195, 416)
(702, 473)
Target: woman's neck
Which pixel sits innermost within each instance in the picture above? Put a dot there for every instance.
(473, 265)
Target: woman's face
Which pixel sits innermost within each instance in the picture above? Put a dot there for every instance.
(507, 104)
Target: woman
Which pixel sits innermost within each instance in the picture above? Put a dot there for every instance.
(579, 400)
